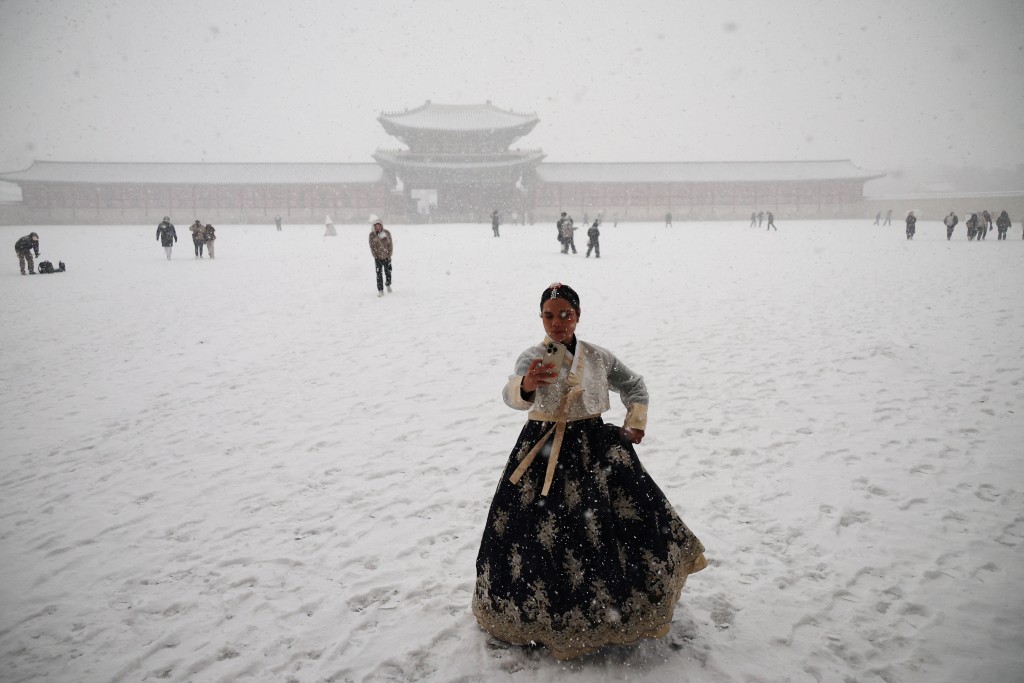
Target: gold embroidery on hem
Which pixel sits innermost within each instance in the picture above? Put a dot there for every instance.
(574, 635)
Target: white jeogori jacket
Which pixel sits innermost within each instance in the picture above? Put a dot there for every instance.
(595, 371)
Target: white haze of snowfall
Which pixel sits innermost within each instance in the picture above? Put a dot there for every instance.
(911, 88)
(254, 469)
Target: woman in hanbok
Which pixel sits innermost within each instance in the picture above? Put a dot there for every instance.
(581, 548)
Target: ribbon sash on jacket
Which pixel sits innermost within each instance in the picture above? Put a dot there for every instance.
(558, 429)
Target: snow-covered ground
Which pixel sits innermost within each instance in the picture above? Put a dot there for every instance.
(253, 469)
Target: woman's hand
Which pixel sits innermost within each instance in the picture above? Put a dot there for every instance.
(632, 435)
(538, 374)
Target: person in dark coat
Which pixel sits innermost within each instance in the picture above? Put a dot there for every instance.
(594, 234)
(24, 248)
(382, 247)
(198, 237)
(167, 235)
(753, 218)
(878, 218)
(888, 217)
(1003, 224)
(771, 222)
(495, 222)
(277, 221)
(911, 225)
(951, 220)
(760, 218)
(972, 227)
(668, 220)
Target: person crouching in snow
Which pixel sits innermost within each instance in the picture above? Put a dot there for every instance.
(381, 247)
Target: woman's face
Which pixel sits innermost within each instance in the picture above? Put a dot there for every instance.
(559, 320)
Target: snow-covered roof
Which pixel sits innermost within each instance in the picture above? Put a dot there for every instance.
(701, 171)
(463, 162)
(457, 118)
(197, 174)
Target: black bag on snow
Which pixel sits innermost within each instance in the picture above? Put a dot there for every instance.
(45, 267)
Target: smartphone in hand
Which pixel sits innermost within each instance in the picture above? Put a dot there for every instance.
(554, 354)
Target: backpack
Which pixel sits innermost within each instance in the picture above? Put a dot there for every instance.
(45, 267)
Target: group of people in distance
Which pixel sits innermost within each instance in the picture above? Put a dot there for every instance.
(566, 228)
(978, 225)
(202, 236)
(757, 217)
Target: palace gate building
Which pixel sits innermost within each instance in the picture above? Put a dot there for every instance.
(459, 166)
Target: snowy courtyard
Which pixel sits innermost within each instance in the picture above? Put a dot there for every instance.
(254, 469)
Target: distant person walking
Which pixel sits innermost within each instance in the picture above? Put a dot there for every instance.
(988, 222)
(1003, 224)
(753, 218)
(771, 222)
(878, 217)
(972, 227)
(24, 248)
(911, 225)
(559, 226)
(381, 246)
(495, 222)
(951, 220)
(760, 218)
(198, 231)
(568, 239)
(593, 235)
(167, 235)
(668, 220)
(210, 233)
(983, 221)
(888, 217)
(277, 220)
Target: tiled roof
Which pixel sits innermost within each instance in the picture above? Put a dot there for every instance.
(466, 162)
(458, 117)
(700, 171)
(198, 174)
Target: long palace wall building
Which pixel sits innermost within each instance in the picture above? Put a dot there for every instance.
(459, 166)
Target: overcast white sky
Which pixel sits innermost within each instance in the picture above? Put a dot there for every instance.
(885, 83)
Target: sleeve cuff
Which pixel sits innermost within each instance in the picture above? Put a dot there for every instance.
(515, 396)
(636, 416)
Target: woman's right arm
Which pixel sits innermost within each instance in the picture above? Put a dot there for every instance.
(515, 394)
